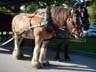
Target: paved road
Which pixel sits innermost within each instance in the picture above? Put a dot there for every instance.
(78, 63)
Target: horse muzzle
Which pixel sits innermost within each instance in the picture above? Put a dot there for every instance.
(76, 36)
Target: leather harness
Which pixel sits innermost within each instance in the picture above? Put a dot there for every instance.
(48, 24)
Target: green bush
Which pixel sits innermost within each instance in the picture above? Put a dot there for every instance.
(92, 13)
(87, 45)
(4, 9)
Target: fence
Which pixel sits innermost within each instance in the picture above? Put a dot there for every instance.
(5, 25)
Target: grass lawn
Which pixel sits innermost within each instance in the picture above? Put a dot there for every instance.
(88, 44)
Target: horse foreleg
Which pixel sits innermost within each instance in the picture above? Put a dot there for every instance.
(42, 58)
(58, 49)
(16, 52)
(20, 41)
(36, 52)
(66, 52)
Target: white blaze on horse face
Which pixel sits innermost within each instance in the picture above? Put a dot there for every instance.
(82, 14)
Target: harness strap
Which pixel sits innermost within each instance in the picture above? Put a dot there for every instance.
(43, 23)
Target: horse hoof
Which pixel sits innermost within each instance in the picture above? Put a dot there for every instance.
(17, 55)
(45, 63)
(57, 59)
(36, 65)
(67, 59)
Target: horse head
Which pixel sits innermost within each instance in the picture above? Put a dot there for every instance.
(74, 23)
(84, 17)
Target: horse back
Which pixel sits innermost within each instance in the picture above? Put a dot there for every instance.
(19, 22)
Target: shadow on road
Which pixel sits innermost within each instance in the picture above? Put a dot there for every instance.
(77, 63)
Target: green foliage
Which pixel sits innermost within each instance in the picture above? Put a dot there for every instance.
(30, 8)
(33, 5)
(92, 12)
(87, 45)
(4, 9)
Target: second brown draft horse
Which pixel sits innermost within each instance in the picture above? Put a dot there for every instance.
(41, 26)
(85, 26)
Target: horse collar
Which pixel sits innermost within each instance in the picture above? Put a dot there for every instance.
(49, 17)
(49, 27)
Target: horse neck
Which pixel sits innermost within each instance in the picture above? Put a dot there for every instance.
(59, 16)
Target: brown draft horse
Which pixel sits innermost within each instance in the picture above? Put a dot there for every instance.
(42, 26)
(85, 26)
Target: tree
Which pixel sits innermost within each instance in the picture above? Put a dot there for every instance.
(14, 5)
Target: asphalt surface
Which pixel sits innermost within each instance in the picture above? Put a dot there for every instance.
(78, 63)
